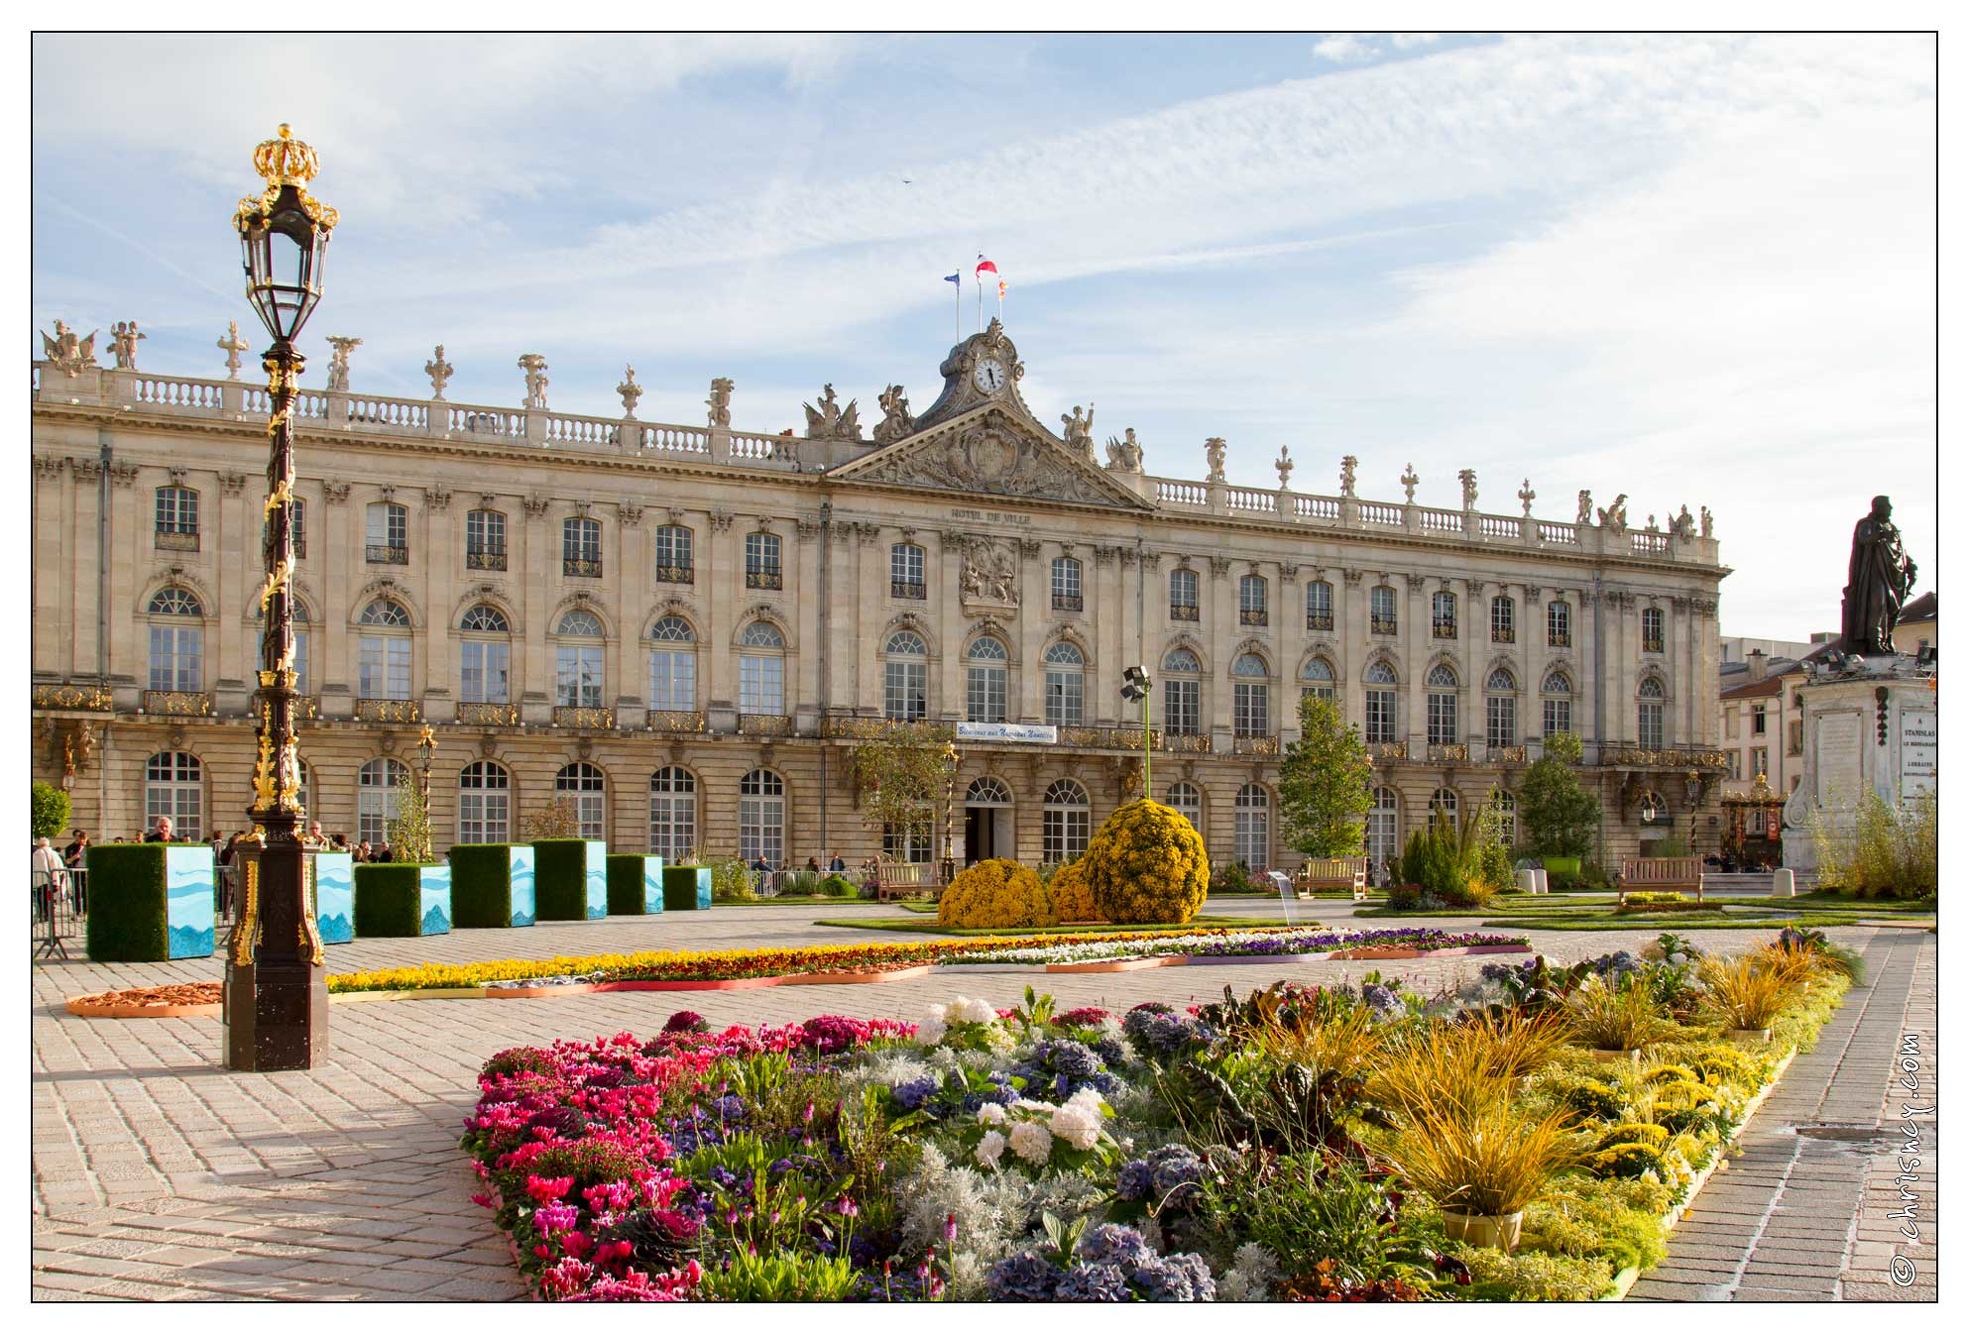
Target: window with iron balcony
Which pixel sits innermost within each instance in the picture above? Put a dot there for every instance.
(1442, 620)
(485, 540)
(1251, 600)
(388, 535)
(762, 561)
(906, 572)
(1558, 625)
(1381, 610)
(1319, 605)
(581, 548)
(1182, 595)
(1066, 584)
(1651, 630)
(1503, 621)
(177, 519)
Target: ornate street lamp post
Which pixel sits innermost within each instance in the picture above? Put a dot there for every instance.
(276, 989)
(1135, 685)
(951, 758)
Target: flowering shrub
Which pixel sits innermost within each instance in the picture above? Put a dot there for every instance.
(1073, 897)
(996, 893)
(1146, 863)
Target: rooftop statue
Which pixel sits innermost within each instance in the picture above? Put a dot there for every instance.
(232, 345)
(720, 402)
(123, 338)
(1124, 455)
(1879, 577)
(1348, 465)
(830, 421)
(439, 370)
(1213, 451)
(535, 367)
(72, 354)
(897, 420)
(338, 362)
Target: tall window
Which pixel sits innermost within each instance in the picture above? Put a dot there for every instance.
(1503, 620)
(578, 661)
(1378, 699)
(1182, 595)
(1319, 605)
(1442, 615)
(1558, 625)
(177, 641)
(383, 651)
(985, 680)
(762, 818)
(1064, 823)
(485, 803)
(1381, 610)
(1251, 601)
(1760, 759)
(906, 678)
(584, 783)
(484, 653)
(1442, 705)
(1651, 709)
(581, 548)
(1182, 693)
(1252, 838)
(673, 556)
(389, 534)
(1556, 695)
(1187, 801)
(1506, 806)
(673, 813)
(906, 571)
(177, 519)
(762, 669)
(1758, 720)
(1651, 630)
(762, 561)
(378, 798)
(299, 527)
(301, 675)
(174, 785)
(1064, 685)
(672, 666)
(485, 540)
(1443, 802)
(906, 843)
(1316, 680)
(1501, 709)
(1384, 827)
(1066, 584)
(1251, 701)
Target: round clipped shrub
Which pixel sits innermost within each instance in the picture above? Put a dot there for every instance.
(996, 893)
(1147, 864)
(1073, 897)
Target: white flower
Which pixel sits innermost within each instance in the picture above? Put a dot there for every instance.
(1031, 1141)
(992, 1114)
(1077, 1124)
(976, 1011)
(991, 1147)
(930, 1032)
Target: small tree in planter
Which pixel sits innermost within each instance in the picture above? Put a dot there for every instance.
(1558, 814)
(410, 831)
(1323, 784)
(51, 809)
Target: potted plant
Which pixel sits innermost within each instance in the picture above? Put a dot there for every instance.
(1483, 1163)
(1614, 1017)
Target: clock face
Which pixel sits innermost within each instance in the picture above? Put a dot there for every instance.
(990, 375)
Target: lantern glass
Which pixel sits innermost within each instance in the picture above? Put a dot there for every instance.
(284, 255)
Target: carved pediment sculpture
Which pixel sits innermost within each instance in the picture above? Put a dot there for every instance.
(992, 457)
(991, 573)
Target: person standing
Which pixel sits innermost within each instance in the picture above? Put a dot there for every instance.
(837, 866)
(49, 878)
(159, 832)
(76, 855)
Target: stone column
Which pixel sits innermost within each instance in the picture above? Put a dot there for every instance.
(857, 667)
(1414, 626)
(1220, 606)
(536, 552)
(633, 583)
(1024, 703)
(952, 625)
(724, 589)
(1350, 619)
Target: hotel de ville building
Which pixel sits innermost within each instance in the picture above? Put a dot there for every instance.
(687, 628)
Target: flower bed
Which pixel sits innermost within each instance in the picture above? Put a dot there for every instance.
(1412, 942)
(1300, 1144)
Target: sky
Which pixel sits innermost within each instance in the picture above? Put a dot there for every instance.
(1699, 270)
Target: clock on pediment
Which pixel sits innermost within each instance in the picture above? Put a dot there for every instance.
(984, 368)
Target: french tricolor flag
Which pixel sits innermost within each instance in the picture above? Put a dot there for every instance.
(985, 266)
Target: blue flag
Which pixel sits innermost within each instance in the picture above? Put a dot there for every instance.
(954, 278)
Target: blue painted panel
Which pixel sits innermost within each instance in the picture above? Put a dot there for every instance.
(520, 880)
(597, 878)
(335, 896)
(188, 907)
(652, 884)
(434, 888)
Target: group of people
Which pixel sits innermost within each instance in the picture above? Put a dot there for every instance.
(54, 875)
(763, 870)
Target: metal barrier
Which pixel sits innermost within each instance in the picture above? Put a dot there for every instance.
(60, 912)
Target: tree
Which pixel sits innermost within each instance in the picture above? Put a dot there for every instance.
(50, 810)
(410, 831)
(901, 777)
(1558, 814)
(1323, 784)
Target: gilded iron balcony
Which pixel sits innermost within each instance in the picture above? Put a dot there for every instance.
(486, 560)
(1506, 754)
(575, 567)
(765, 724)
(1561, 639)
(1107, 738)
(376, 555)
(178, 703)
(1387, 750)
(307, 709)
(908, 588)
(169, 541)
(762, 579)
(1667, 757)
(675, 720)
(1441, 753)
(1182, 611)
(1319, 620)
(94, 699)
(1442, 629)
(1066, 602)
(489, 715)
(1503, 634)
(386, 711)
(676, 574)
(1381, 625)
(1651, 645)
(850, 728)
(1254, 745)
(1252, 616)
(1185, 743)
(581, 715)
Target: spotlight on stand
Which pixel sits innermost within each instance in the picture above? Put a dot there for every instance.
(1135, 685)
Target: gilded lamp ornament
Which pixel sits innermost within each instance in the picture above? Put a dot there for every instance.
(284, 281)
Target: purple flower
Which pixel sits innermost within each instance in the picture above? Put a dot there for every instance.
(1093, 1283)
(1176, 1278)
(916, 1092)
(1112, 1243)
(1025, 1277)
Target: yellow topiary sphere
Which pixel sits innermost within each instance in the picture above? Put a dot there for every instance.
(996, 893)
(1147, 864)
(1073, 898)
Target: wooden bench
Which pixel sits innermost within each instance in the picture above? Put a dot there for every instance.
(901, 880)
(1317, 873)
(1660, 873)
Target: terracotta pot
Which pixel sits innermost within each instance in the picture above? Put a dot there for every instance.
(1750, 1037)
(1499, 1231)
(1607, 1057)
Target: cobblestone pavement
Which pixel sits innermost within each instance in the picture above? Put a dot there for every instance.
(157, 1174)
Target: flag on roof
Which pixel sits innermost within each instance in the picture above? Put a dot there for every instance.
(1001, 289)
(985, 266)
(957, 277)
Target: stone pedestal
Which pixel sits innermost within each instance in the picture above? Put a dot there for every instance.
(1873, 729)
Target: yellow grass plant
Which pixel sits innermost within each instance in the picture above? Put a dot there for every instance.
(1488, 1158)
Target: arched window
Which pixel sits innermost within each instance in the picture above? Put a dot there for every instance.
(585, 783)
(673, 813)
(1381, 610)
(986, 678)
(762, 561)
(383, 649)
(1652, 709)
(177, 519)
(987, 791)
(1384, 827)
(1065, 686)
(1066, 584)
(1187, 800)
(174, 786)
(673, 555)
(1443, 802)
(1442, 615)
(1652, 637)
(1182, 595)
(1182, 693)
(762, 669)
(485, 803)
(1557, 700)
(1251, 696)
(762, 818)
(389, 534)
(1500, 708)
(906, 571)
(1506, 806)
(581, 548)
(906, 678)
(1558, 625)
(177, 641)
(1319, 605)
(1252, 602)
(578, 661)
(378, 799)
(1252, 840)
(1442, 705)
(1316, 679)
(1503, 620)
(484, 655)
(1378, 699)
(1653, 810)
(1065, 823)
(672, 666)
(485, 540)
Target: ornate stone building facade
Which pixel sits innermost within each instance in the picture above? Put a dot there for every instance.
(687, 627)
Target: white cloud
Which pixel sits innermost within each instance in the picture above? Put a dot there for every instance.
(1342, 48)
(1405, 41)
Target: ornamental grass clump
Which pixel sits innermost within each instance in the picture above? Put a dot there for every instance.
(996, 893)
(1489, 1160)
(1147, 864)
(1445, 1066)
(1615, 1014)
(1750, 990)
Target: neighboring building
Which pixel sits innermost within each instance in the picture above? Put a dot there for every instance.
(687, 627)
(1916, 630)
(1763, 721)
(1736, 649)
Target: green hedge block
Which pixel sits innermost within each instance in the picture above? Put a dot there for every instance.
(149, 902)
(570, 879)
(686, 888)
(635, 884)
(387, 899)
(492, 884)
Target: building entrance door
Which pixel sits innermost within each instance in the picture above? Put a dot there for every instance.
(977, 834)
(987, 821)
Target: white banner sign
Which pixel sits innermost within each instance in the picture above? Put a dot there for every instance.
(1917, 752)
(1043, 733)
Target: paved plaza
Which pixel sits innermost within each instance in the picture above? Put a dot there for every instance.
(157, 1174)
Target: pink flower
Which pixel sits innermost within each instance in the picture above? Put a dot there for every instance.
(548, 1189)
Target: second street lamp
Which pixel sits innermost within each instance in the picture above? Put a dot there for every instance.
(1135, 685)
